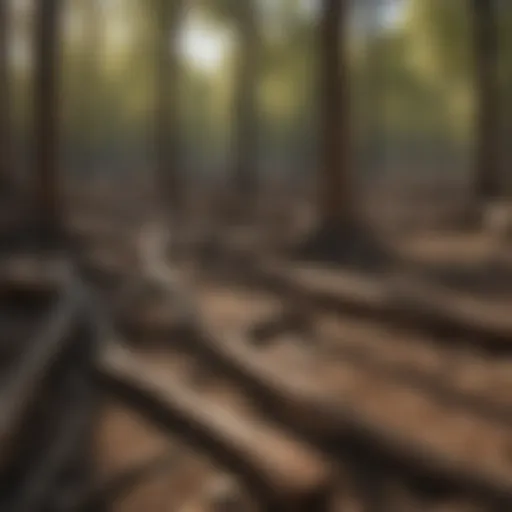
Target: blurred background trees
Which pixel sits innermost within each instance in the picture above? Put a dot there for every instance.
(425, 103)
(47, 46)
(167, 22)
(4, 99)
(486, 52)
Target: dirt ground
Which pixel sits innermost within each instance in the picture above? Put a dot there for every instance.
(125, 441)
(470, 264)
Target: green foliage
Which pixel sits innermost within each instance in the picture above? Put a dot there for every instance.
(424, 69)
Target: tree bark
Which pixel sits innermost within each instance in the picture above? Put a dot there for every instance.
(375, 94)
(46, 122)
(487, 180)
(246, 118)
(341, 236)
(92, 43)
(168, 14)
(335, 187)
(5, 141)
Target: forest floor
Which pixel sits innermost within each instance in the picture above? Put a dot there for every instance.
(471, 272)
(462, 265)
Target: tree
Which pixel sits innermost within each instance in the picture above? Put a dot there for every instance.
(246, 119)
(244, 17)
(335, 187)
(335, 195)
(462, 49)
(92, 42)
(5, 143)
(374, 57)
(168, 14)
(341, 236)
(487, 182)
(288, 91)
(47, 45)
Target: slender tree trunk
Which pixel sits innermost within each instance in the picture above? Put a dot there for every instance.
(374, 108)
(335, 187)
(487, 180)
(92, 42)
(246, 141)
(46, 94)
(168, 15)
(5, 142)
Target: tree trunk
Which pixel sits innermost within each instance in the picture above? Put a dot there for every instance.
(246, 118)
(46, 95)
(335, 187)
(375, 93)
(91, 45)
(5, 142)
(167, 138)
(487, 180)
(341, 236)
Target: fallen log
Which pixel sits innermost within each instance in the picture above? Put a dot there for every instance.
(283, 473)
(326, 421)
(334, 346)
(330, 423)
(415, 305)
